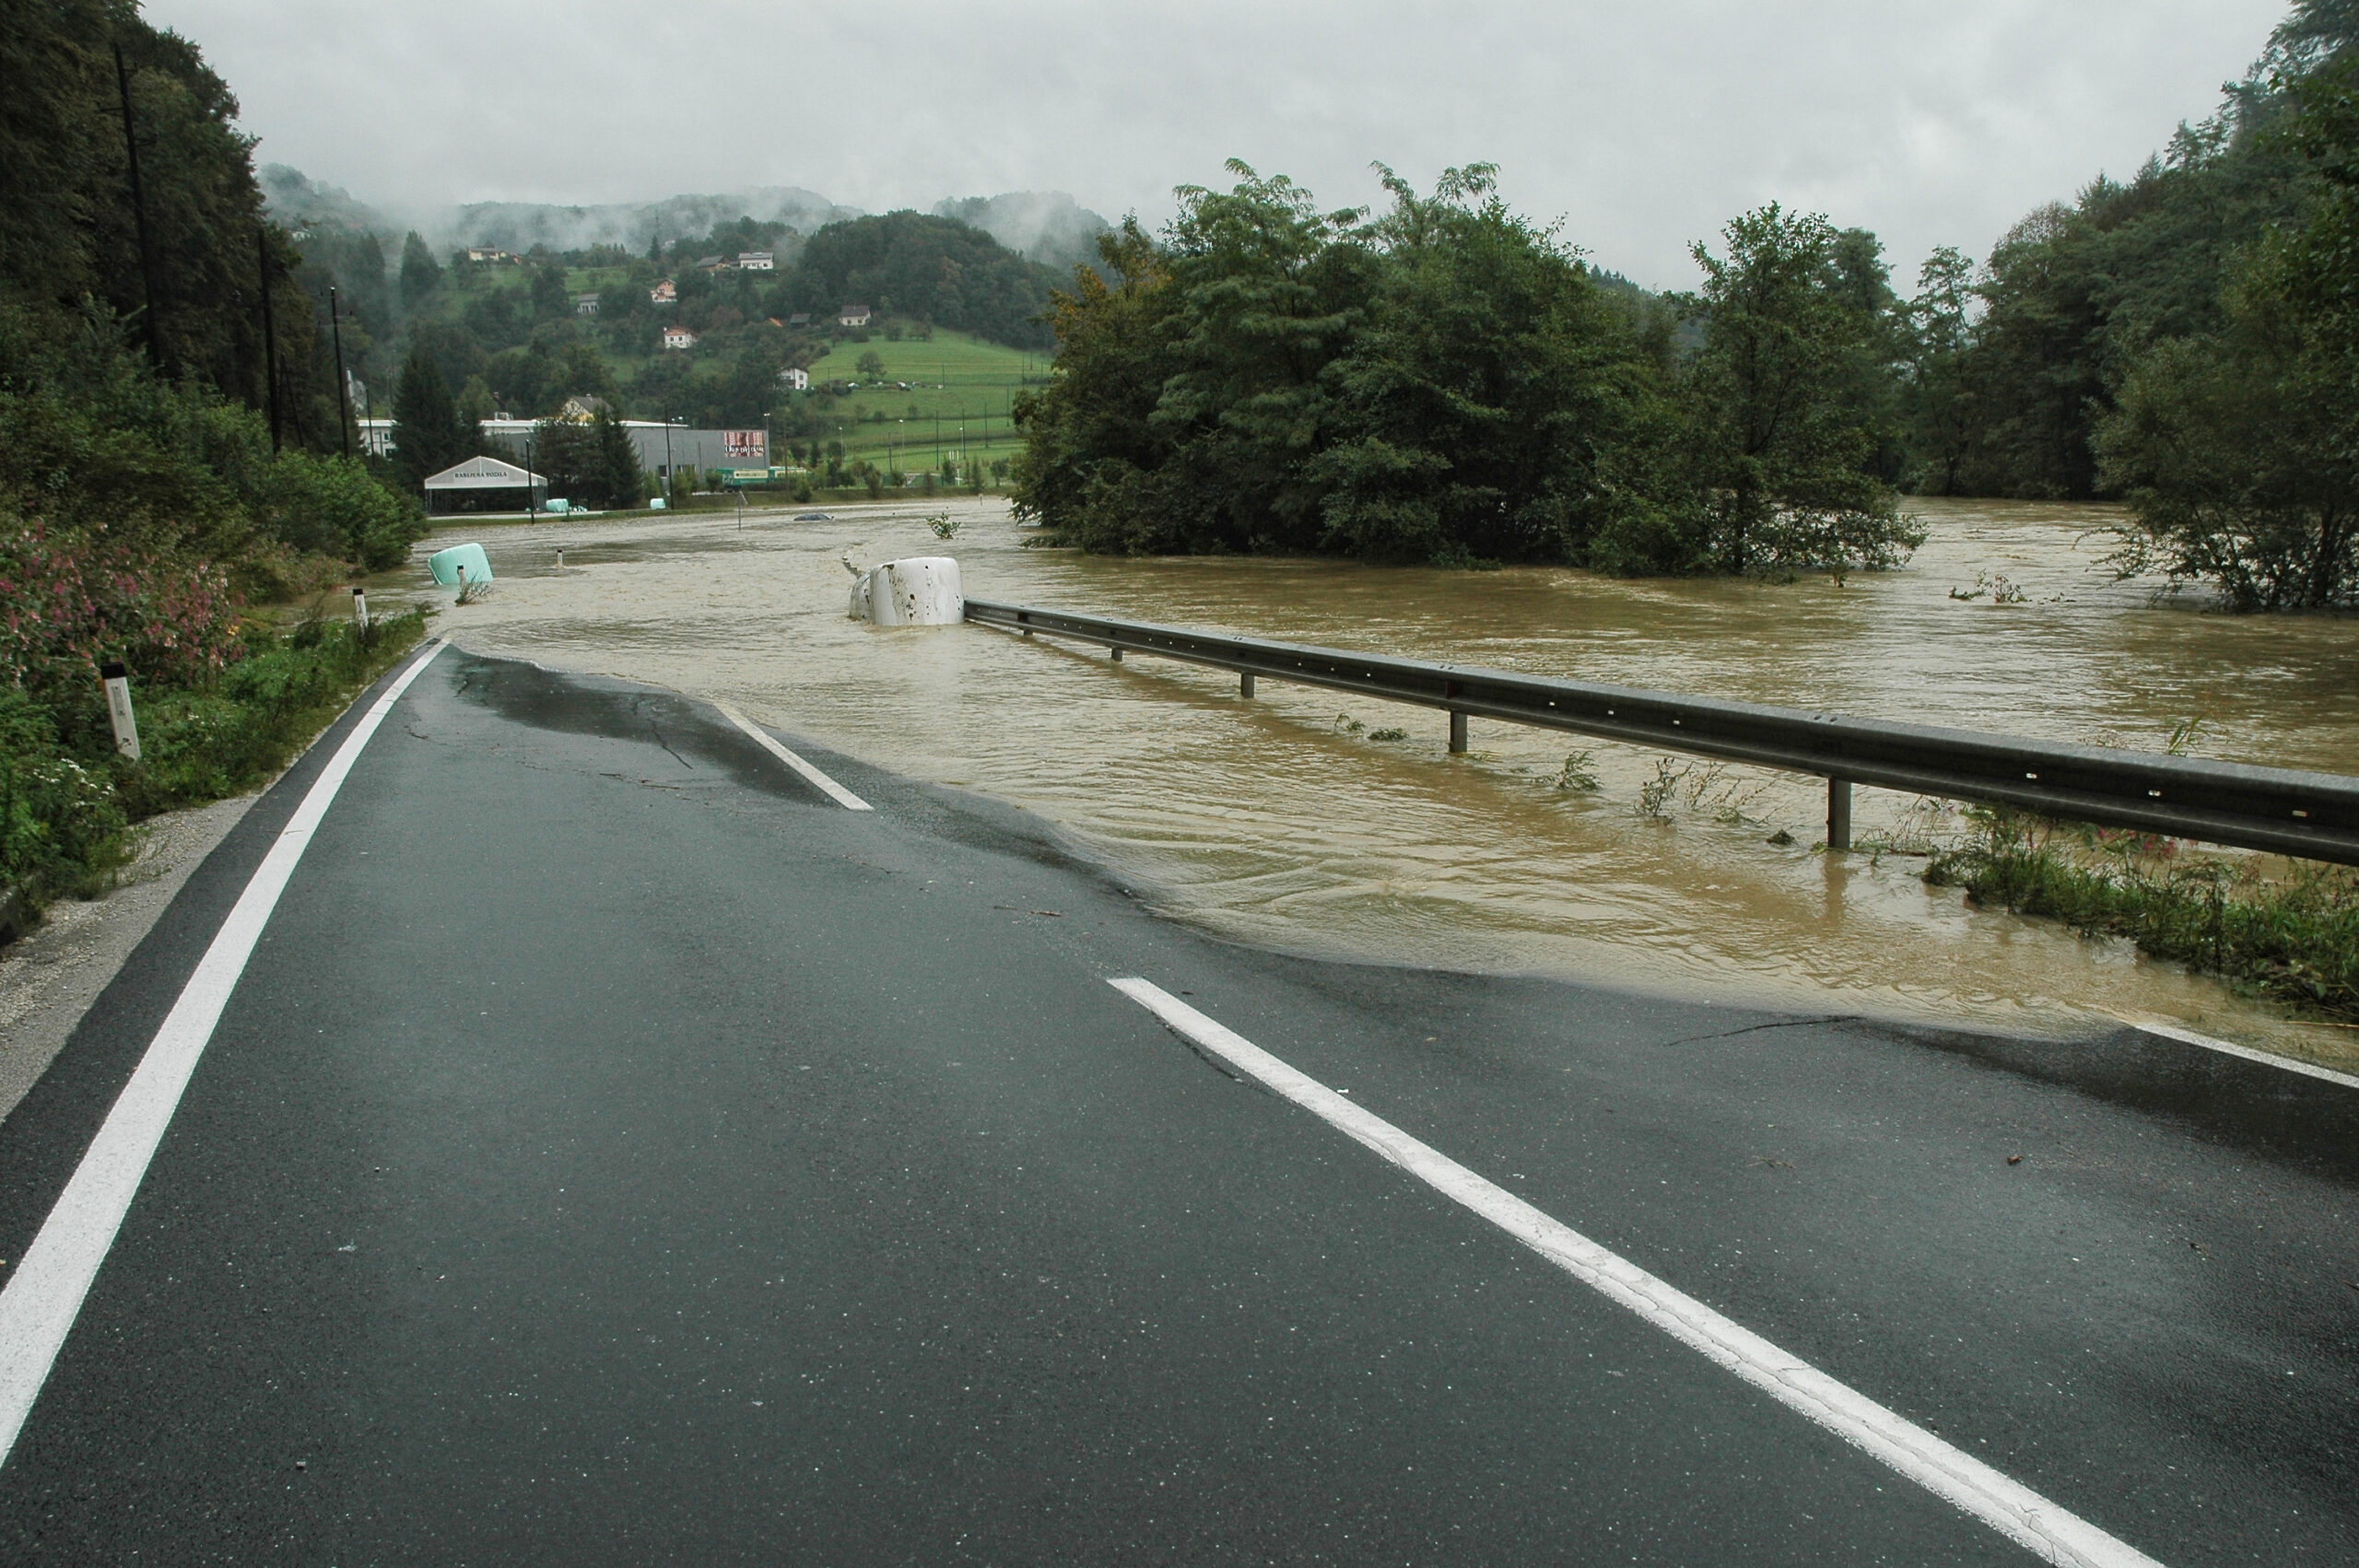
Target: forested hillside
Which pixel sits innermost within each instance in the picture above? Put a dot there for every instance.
(163, 473)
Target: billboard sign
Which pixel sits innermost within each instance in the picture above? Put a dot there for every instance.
(746, 447)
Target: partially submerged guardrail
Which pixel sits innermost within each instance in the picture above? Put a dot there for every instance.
(2314, 815)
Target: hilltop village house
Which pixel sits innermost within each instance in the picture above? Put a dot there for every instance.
(665, 293)
(757, 261)
(678, 337)
(585, 304)
(798, 380)
(852, 316)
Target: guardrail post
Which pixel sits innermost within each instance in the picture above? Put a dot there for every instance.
(1245, 685)
(1456, 731)
(1838, 813)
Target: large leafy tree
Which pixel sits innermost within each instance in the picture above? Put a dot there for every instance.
(2239, 448)
(1478, 403)
(1780, 417)
(1939, 330)
(1092, 452)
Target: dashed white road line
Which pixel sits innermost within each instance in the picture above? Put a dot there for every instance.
(2011, 1509)
(836, 792)
(44, 1296)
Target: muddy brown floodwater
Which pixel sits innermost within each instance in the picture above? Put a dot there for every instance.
(1344, 826)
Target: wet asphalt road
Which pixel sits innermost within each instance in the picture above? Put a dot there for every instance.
(616, 1152)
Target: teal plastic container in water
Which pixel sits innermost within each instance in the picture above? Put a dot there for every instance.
(445, 565)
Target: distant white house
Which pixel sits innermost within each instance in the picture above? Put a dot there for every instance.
(852, 316)
(585, 304)
(799, 380)
(757, 261)
(487, 254)
(665, 293)
(679, 337)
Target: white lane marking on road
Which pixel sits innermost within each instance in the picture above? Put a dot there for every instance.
(2011, 1509)
(44, 1297)
(2170, 1031)
(836, 792)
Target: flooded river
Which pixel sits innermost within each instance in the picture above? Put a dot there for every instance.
(1298, 819)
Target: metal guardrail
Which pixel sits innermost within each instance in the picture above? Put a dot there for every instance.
(2313, 815)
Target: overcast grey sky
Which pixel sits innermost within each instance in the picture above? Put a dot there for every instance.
(1644, 126)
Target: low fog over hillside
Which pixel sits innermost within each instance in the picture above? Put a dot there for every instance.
(1047, 226)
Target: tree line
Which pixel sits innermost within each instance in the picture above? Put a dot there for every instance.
(1445, 383)
(1442, 382)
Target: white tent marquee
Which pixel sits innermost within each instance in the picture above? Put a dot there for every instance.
(478, 475)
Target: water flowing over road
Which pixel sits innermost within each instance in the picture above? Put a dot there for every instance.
(1302, 821)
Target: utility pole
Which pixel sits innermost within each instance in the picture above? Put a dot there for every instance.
(342, 382)
(139, 210)
(269, 332)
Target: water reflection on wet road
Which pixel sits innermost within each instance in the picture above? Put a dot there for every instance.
(1286, 820)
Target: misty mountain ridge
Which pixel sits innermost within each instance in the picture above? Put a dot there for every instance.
(1045, 226)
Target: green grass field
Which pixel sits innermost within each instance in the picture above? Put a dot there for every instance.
(961, 389)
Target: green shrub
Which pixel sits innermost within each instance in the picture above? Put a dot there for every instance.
(2294, 938)
(61, 825)
(334, 505)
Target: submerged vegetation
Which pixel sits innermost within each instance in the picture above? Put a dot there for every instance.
(2294, 938)
(1444, 383)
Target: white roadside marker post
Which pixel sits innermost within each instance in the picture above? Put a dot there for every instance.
(360, 608)
(126, 727)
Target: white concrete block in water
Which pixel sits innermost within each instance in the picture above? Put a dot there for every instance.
(921, 591)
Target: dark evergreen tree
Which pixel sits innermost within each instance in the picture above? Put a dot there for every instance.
(430, 434)
(619, 480)
(421, 273)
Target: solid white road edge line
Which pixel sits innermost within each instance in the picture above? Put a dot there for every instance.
(836, 792)
(2170, 1031)
(2011, 1509)
(44, 1297)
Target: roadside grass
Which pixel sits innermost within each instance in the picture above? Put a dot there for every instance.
(2293, 936)
(68, 804)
